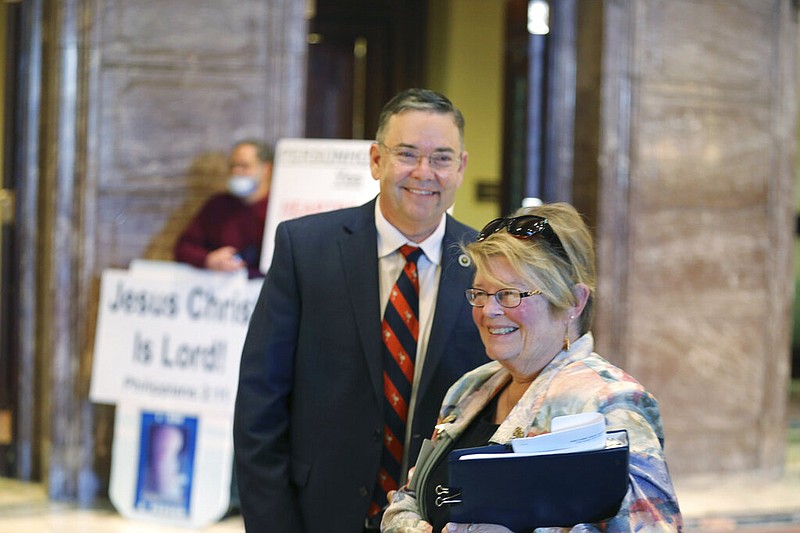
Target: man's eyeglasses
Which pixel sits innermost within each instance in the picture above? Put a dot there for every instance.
(505, 297)
(410, 157)
(525, 227)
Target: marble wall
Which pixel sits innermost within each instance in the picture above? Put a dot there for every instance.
(132, 108)
(697, 220)
(172, 86)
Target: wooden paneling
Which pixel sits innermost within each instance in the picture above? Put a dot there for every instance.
(343, 83)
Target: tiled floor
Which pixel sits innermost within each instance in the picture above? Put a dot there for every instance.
(748, 504)
(24, 509)
(745, 505)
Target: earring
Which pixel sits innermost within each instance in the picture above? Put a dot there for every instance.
(566, 345)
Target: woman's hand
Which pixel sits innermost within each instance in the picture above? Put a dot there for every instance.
(452, 527)
(391, 493)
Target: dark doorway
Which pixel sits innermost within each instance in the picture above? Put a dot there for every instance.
(539, 100)
(10, 19)
(360, 53)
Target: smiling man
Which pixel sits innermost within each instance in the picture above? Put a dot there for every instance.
(335, 395)
(420, 160)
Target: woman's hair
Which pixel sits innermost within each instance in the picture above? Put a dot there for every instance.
(543, 265)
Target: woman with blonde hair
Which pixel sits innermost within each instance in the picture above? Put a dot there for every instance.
(532, 301)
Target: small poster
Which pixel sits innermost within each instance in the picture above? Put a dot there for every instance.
(171, 466)
(316, 175)
(166, 464)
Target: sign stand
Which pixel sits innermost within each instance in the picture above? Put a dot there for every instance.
(169, 338)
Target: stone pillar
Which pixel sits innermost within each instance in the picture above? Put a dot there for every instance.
(696, 220)
(141, 103)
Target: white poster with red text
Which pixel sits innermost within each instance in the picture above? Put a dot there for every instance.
(312, 176)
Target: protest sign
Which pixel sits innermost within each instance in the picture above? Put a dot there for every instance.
(171, 337)
(167, 348)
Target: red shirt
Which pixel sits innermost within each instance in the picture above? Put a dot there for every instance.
(224, 220)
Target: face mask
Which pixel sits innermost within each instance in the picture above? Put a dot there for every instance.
(242, 186)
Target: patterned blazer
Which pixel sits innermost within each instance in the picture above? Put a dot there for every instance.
(576, 381)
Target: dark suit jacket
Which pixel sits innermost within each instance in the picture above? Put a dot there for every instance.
(309, 410)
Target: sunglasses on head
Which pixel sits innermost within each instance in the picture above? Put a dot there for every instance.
(525, 227)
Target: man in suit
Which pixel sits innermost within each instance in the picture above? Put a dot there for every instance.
(309, 422)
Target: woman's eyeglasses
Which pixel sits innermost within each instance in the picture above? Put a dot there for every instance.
(506, 297)
(526, 227)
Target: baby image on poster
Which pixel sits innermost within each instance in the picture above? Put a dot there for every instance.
(166, 461)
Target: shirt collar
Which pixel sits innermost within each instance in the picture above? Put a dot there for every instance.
(390, 238)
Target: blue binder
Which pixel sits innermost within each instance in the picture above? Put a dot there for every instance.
(523, 493)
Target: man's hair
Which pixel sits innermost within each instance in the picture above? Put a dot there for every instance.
(418, 100)
(264, 150)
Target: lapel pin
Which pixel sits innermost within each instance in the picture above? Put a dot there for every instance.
(464, 261)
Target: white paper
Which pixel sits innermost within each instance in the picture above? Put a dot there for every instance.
(581, 432)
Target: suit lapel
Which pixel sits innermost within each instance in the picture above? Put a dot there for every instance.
(456, 275)
(358, 250)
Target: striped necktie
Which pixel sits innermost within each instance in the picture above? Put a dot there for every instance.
(400, 330)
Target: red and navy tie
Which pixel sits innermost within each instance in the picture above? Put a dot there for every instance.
(400, 330)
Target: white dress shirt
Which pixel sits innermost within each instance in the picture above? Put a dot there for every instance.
(390, 264)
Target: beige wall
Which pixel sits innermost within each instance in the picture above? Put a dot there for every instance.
(465, 51)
